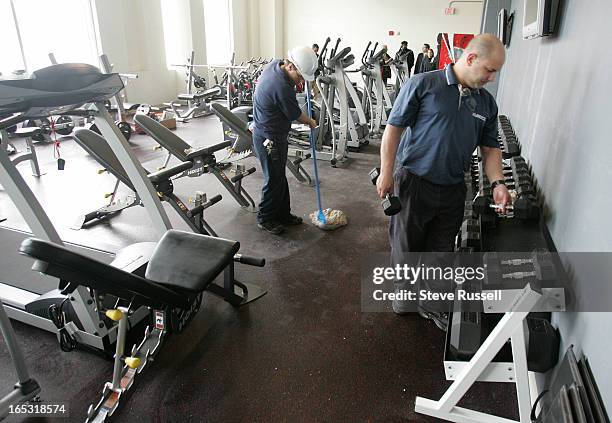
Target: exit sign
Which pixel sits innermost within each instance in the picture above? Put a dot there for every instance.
(449, 11)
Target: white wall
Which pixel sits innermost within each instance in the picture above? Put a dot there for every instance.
(131, 32)
(241, 29)
(132, 37)
(359, 21)
(559, 107)
(270, 28)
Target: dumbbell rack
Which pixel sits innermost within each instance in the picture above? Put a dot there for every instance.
(496, 360)
(508, 141)
(517, 177)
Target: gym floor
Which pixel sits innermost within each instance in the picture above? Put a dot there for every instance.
(303, 353)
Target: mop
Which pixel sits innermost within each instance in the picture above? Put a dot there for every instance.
(327, 219)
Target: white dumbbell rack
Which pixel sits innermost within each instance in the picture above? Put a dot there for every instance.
(482, 368)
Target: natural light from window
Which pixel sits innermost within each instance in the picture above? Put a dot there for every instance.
(11, 58)
(64, 28)
(218, 26)
(177, 33)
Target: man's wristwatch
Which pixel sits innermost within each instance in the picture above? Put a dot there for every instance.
(494, 184)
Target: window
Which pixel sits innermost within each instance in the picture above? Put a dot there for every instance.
(218, 26)
(64, 28)
(31, 29)
(177, 33)
(11, 58)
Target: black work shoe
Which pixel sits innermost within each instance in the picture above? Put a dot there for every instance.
(439, 319)
(271, 227)
(292, 220)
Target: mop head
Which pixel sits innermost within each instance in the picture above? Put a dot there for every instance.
(333, 219)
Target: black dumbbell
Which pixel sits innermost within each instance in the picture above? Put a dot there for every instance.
(391, 204)
(470, 234)
(468, 211)
(524, 208)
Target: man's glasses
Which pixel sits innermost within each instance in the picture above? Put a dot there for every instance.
(465, 96)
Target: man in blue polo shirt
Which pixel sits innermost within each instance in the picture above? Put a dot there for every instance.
(274, 108)
(448, 115)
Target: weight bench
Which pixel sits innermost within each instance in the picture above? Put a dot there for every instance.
(98, 148)
(203, 160)
(197, 105)
(244, 141)
(181, 268)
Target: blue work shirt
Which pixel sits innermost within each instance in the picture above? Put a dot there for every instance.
(442, 135)
(274, 103)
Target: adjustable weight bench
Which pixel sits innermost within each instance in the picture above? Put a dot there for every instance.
(197, 105)
(182, 266)
(98, 148)
(203, 159)
(244, 141)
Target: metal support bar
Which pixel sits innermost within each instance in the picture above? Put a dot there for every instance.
(134, 169)
(235, 191)
(511, 326)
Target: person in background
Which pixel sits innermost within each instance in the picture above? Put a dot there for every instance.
(449, 114)
(419, 60)
(274, 108)
(428, 64)
(385, 65)
(315, 48)
(404, 53)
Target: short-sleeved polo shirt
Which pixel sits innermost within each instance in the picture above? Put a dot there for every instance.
(274, 103)
(443, 132)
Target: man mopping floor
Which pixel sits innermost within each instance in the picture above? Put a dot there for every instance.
(274, 108)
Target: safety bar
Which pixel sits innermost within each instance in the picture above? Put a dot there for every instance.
(199, 209)
(251, 261)
(238, 177)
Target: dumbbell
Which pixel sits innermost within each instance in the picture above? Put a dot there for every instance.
(63, 125)
(391, 204)
(522, 188)
(497, 275)
(509, 148)
(44, 125)
(525, 207)
(470, 234)
(468, 211)
(543, 268)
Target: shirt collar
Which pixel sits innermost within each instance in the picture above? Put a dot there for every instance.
(451, 78)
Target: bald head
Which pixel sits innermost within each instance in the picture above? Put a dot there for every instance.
(485, 46)
(483, 57)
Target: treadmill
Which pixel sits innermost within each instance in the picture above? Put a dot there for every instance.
(63, 90)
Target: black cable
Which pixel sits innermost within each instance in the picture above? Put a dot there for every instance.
(535, 404)
(56, 314)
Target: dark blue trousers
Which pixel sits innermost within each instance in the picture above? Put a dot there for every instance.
(430, 218)
(275, 201)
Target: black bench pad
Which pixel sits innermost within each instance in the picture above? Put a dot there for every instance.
(60, 262)
(189, 261)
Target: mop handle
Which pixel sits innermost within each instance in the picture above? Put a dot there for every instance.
(314, 151)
